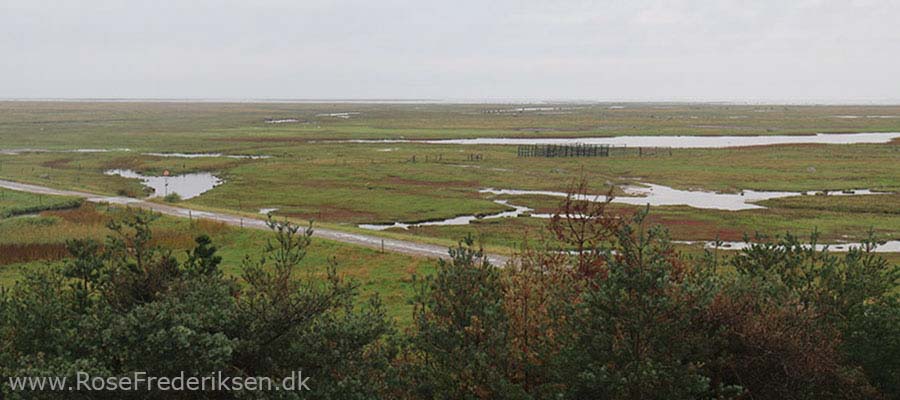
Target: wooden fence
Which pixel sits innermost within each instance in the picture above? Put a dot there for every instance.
(588, 150)
(564, 150)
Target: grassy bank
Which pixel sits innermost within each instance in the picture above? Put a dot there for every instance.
(13, 203)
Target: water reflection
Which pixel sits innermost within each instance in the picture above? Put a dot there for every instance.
(185, 186)
(676, 142)
(659, 195)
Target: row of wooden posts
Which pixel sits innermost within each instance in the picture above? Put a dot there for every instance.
(587, 150)
(563, 150)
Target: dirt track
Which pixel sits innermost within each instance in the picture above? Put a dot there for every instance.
(398, 246)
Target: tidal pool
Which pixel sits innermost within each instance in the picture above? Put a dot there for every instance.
(659, 195)
(676, 142)
(186, 186)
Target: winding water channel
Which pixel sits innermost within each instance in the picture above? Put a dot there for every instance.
(659, 195)
(676, 142)
(646, 194)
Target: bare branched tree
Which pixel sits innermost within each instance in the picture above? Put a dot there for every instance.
(584, 224)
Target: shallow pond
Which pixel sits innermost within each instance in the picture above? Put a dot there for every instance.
(186, 186)
(658, 195)
(677, 142)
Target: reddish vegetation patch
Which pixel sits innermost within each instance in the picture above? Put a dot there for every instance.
(264, 139)
(683, 222)
(84, 215)
(173, 240)
(694, 229)
(210, 227)
(21, 253)
(396, 180)
(333, 214)
(127, 162)
(56, 164)
(184, 238)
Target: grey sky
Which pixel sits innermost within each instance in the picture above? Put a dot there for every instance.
(782, 50)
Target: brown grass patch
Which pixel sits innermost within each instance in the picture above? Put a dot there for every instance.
(85, 215)
(173, 240)
(695, 229)
(396, 180)
(210, 227)
(184, 238)
(266, 139)
(128, 162)
(333, 214)
(22, 253)
(60, 163)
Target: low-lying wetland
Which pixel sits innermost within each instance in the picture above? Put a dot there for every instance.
(186, 186)
(433, 173)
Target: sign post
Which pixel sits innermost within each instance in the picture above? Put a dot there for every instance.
(166, 178)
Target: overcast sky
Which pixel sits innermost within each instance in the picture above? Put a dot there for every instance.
(781, 50)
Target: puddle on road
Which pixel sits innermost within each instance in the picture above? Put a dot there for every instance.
(461, 220)
(658, 195)
(676, 142)
(186, 186)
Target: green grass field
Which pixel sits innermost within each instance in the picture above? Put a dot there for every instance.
(242, 126)
(28, 241)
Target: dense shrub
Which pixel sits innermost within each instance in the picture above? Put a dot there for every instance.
(624, 316)
(126, 306)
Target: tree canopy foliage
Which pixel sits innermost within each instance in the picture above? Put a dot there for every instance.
(621, 315)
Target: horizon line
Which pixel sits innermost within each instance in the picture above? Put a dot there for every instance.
(497, 100)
